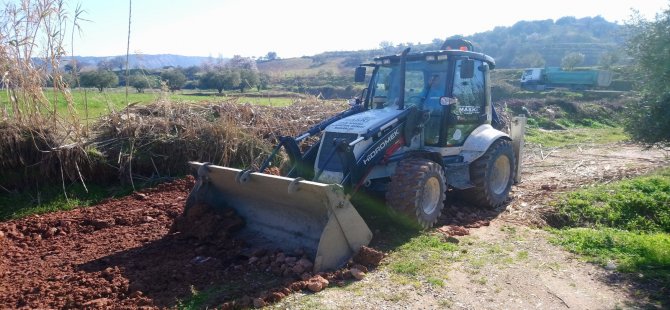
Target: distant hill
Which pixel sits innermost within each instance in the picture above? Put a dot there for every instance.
(524, 44)
(141, 61)
(515, 46)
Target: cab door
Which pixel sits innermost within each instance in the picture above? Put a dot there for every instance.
(468, 111)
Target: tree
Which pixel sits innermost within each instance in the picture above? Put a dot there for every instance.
(386, 46)
(174, 79)
(239, 62)
(191, 72)
(220, 78)
(248, 78)
(99, 79)
(105, 64)
(529, 60)
(72, 66)
(118, 62)
(648, 44)
(263, 81)
(140, 82)
(271, 56)
(572, 60)
(608, 59)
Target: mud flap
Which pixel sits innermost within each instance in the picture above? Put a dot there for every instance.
(518, 131)
(285, 213)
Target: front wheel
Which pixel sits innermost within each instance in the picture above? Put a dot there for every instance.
(492, 175)
(417, 190)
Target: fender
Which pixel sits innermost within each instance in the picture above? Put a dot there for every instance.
(479, 141)
(432, 156)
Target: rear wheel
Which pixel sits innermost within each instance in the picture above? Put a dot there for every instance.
(492, 175)
(417, 190)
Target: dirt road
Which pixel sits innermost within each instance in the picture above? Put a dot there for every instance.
(510, 264)
(120, 253)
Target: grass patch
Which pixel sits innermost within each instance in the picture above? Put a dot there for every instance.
(522, 255)
(640, 204)
(632, 251)
(52, 198)
(628, 226)
(422, 257)
(204, 298)
(196, 301)
(435, 281)
(557, 138)
(93, 103)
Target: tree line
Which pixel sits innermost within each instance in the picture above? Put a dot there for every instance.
(238, 73)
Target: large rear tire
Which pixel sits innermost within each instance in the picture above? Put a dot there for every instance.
(492, 175)
(418, 190)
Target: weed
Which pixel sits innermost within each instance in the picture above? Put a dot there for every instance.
(435, 281)
(310, 301)
(508, 229)
(195, 301)
(446, 303)
(394, 296)
(522, 255)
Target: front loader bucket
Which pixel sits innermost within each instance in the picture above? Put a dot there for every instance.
(285, 213)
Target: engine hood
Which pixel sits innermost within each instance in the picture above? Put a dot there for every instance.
(361, 122)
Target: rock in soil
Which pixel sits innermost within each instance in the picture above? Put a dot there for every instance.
(454, 230)
(317, 284)
(357, 274)
(368, 257)
(259, 303)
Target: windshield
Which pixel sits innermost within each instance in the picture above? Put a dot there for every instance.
(425, 82)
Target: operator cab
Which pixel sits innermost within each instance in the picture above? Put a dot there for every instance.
(450, 86)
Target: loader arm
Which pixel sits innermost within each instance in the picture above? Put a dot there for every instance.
(301, 162)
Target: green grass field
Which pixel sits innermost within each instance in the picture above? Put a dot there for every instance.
(573, 136)
(92, 103)
(623, 225)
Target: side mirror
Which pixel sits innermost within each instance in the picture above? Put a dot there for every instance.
(467, 69)
(359, 76)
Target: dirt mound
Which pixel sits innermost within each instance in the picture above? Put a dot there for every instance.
(368, 257)
(202, 223)
(138, 251)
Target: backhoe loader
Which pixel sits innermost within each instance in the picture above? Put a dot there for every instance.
(423, 128)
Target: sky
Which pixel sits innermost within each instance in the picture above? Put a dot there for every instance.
(294, 28)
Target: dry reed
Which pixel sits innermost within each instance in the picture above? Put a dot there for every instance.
(38, 141)
(41, 145)
(161, 138)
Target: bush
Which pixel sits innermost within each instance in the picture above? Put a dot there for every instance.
(100, 79)
(647, 120)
